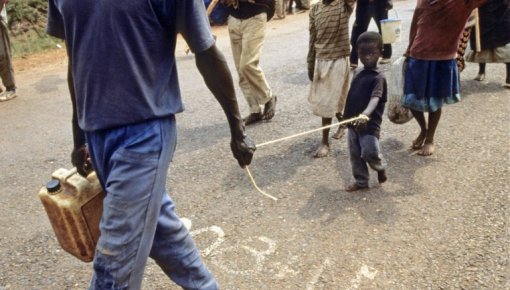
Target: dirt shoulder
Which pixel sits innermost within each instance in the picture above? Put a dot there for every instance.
(39, 60)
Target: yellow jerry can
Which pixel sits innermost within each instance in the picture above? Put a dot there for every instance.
(74, 205)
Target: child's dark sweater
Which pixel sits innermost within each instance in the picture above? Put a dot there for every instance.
(366, 84)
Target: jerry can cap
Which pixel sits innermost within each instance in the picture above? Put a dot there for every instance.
(53, 185)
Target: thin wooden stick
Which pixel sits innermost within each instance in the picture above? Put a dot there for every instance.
(258, 188)
(293, 136)
(310, 131)
(477, 32)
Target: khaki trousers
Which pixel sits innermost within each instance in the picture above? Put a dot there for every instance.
(281, 8)
(246, 39)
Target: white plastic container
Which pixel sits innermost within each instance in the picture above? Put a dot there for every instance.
(391, 29)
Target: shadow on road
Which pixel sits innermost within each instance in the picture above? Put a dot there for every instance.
(276, 168)
(195, 138)
(377, 204)
(48, 84)
(475, 88)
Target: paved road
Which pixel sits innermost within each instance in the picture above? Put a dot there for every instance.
(439, 222)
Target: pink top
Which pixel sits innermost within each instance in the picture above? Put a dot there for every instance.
(435, 29)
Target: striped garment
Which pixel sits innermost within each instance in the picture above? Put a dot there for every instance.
(329, 30)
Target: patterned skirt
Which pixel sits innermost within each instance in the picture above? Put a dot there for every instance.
(429, 84)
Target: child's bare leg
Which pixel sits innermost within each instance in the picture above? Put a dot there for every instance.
(420, 118)
(340, 132)
(323, 150)
(481, 72)
(428, 147)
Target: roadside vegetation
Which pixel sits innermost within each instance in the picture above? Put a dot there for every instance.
(27, 27)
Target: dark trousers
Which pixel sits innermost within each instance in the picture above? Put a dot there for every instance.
(364, 13)
(6, 70)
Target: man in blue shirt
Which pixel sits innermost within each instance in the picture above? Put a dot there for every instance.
(125, 93)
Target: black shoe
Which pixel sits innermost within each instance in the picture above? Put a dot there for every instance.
(381, 176)
(252, 119)
(355, 187)
(270, 109)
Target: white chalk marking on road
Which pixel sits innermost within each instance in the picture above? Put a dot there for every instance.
(283, 270)
(364, 272)
(317, 274)
(219, 240)
(259, 256)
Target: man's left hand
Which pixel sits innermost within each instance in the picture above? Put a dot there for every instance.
(80, 159)
(243, 150)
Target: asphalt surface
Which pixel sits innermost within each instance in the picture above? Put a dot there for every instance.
(440, 222)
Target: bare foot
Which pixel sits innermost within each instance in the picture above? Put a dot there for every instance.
(354, 187)
(427, 149)
(339, 133)
(418, 142)
(322, 151)
(480, 77)
(269, 109)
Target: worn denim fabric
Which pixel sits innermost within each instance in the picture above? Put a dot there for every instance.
(138, 215)
(363, 150)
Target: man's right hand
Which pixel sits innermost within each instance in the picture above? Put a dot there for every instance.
(243, 149)
(213, 67)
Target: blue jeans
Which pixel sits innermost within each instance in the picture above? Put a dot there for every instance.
(138, 218)
(363, 149)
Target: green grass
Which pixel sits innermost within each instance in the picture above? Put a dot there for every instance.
(32, 42)
(27, 22)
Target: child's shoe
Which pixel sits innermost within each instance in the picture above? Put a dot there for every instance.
(355, 187)
(381, 176)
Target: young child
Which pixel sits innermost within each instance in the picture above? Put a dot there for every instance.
(328, 63)
(366, 98)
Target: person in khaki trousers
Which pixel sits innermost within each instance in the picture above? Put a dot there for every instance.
(247, 29)
(281, 8)
(6, 70)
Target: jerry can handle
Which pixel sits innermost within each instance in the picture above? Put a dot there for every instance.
(72, 171)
